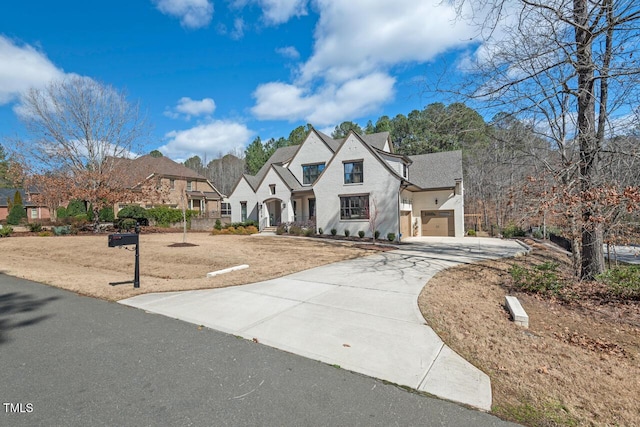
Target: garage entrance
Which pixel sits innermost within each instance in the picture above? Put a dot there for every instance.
(438, 223)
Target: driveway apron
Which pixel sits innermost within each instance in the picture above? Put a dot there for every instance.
(361, 315)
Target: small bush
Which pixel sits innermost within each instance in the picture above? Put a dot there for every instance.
(45, 234)
(62, 230)
(361, 234)
(624, 281)
(127, 224)
(320, 230)
(308, 232)
(281, 229)
(76, 207)
(295, 230)
(471, 232)
(391, 237)
(17, 214)
(540, 279)
(61, 212)
(251, 229)
(218, 225)
(106, 214)
(134, 212)
(35, 227)
(334, 231)
(512, 230)
(376, 234)
(6, 231)
(347, 233)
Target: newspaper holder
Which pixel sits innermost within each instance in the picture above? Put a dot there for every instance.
(127, 239)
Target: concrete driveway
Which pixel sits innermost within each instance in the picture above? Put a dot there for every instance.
(359, 314)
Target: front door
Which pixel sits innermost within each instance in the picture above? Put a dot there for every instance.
(312, 208)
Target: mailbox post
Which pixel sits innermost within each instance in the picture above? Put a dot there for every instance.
(126, 239)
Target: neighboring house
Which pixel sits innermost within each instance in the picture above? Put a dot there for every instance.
(349, 183)
(35, 211)
(163, 182)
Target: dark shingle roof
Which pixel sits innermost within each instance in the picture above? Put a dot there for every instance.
(332, 143)
(287, 177)
(376, 140)
(280, 156)
(8, 193)
(436, 170)
(137, 170)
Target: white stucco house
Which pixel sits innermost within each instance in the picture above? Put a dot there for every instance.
(352, 182)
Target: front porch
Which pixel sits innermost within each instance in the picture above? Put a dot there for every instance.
(299, 208)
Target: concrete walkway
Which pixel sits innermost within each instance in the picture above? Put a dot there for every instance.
(359, 314)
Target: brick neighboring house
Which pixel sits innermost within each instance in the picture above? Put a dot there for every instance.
(35, 212)
(171, 179)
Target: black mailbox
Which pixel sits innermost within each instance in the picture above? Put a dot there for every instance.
(122, 239)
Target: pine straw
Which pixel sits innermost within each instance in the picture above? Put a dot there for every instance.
(577, 364)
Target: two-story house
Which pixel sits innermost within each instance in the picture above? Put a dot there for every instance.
(358, 184)
(159, 181)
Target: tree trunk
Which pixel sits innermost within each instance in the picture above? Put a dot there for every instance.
(592, 237)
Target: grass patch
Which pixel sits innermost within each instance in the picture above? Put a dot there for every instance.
(542, 415)
(623, 281)
(539, 279)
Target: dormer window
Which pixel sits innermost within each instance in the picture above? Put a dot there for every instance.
(272, 189)
(311, 172)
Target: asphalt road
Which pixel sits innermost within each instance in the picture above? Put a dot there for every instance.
(68, 360)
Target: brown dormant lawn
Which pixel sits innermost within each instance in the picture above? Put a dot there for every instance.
(84, 264)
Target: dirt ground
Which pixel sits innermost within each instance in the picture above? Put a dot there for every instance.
(86, 265)
(577, 364)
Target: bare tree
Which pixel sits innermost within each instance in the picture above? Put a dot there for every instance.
(80, 127)
(571, 67)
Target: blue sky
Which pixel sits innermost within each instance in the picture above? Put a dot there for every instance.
(212, 75)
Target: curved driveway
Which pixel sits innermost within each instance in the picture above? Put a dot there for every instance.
(360, 314)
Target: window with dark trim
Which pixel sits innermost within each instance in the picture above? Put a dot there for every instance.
(353, 172)
(189, 186)
(272, 189)
(225, 209)
(354, 207)
(311, 172)
(243, 211)
(405, 171)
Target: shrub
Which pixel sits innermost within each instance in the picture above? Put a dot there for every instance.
(127, 224)
(334, 231)
(35, 227)
(308, 232)
(16, 215)
(6, 231)
(471, 232)
(61, 212)
(320, 230)
(361, 234)
(512, 230)
(295, 230)
(45, 234)
(540, 279)
(281, 229)
(165, 216)
(134, 212)
(106, 214)
(240, 230)
(251, 229)
(218, 225)
(76, 207)
(391, 237)
(347, 233)
(62, 230)
(624, 281)
(376, 234)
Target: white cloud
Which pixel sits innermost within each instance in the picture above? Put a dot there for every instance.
(329, 104)
(288, 52)
(187, 107)
(359, 36)
(238, 29)
(280, 11)
(23, 67)
(212, 138)
(192, 13)
(357, 44)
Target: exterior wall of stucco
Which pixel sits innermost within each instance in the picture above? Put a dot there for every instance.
(312, 151)
(282, 193)
(378, 182)
(243, 193)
